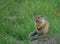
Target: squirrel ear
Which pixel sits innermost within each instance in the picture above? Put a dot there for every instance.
(41, 16)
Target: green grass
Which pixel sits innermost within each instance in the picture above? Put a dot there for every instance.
(16, 17)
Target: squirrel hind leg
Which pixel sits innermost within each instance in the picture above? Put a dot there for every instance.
(33, 36)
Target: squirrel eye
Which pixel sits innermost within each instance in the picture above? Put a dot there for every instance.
(38, 17)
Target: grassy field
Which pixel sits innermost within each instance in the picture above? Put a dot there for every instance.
(16, 18)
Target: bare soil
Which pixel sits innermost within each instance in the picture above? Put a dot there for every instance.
(47, 40)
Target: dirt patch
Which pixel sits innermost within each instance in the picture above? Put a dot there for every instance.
(47, 40)
(42, 40)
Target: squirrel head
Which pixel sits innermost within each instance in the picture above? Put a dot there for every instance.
(39, 19)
